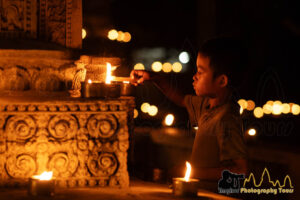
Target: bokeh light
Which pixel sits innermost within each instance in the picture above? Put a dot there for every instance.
(295, 109)
(252, 132)
(112, 34)
(241, 110)
(152, 110)
(243, 103)
(156, 66)
(291, 105)
(139, 66)
(177, 67)
(169, 119)
(135, 113)
(285, 108)
(184, 57)
(167, 67)
(250, 105)
(83, 33)
(145, 107)
(277, 102)
(121, 36)
(258, 112)
(267, 109)
(270, 102)
(276, 108)
(127, 37)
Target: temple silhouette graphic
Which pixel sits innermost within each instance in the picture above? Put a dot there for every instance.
(265, 180)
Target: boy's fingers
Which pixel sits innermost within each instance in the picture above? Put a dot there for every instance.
(141, 80)
(137, 77)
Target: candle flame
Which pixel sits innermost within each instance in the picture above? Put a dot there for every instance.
(108, 73)
(89, 81)
(126, 82)
(188, 171)
(45, 176)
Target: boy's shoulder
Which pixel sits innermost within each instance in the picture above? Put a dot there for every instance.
(191, 99)
(230, 112)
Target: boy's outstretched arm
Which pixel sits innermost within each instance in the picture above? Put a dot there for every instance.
(163, 83)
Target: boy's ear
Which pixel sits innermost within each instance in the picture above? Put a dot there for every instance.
(223, 80)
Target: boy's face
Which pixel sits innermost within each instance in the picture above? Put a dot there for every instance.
(204, 84)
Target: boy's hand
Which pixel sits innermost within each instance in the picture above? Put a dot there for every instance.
(139, 76)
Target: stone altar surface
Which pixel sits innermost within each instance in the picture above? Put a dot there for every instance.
(55, 21)
(137, 190)
(83, 141)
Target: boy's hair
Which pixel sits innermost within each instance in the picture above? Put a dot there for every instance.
(227, 56)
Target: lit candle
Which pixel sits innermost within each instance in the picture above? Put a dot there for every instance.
(91, 89)
(185, 186)
(41, 184)
(110, 89)
(127, 89)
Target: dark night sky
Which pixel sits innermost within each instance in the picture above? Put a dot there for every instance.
(270, 30)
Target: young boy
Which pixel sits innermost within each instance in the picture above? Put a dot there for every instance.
(218, 143)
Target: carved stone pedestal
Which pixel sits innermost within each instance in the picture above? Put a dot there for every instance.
(84, 142)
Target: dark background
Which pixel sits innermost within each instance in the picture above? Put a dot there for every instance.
(269, 29)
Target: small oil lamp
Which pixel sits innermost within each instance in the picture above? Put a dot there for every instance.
(97, 89)
(127, 89)
(110, 89)
(91, 89)
(41, 185)
(185, 186)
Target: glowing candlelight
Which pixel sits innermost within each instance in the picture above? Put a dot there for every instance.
(90, 81)
(108, 73)
(126, 87)
(185, 186)
(45, 176)
(169, 119)
(42, 184)
(188, 171)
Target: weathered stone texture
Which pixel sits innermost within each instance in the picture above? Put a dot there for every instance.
(57, 21)
(84, 142)
(39, 70)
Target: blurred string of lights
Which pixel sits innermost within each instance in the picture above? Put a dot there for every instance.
(167, 67)
(152, 110)
(270, 107)
(119, 36)
(157, 66)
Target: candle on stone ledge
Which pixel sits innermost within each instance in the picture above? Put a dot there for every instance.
(110, 89)
(41, 185)
(127, 89)
(185, 186)
(97, 89)
(91, 89)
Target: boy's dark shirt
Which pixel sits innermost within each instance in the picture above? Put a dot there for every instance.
(219, 138)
